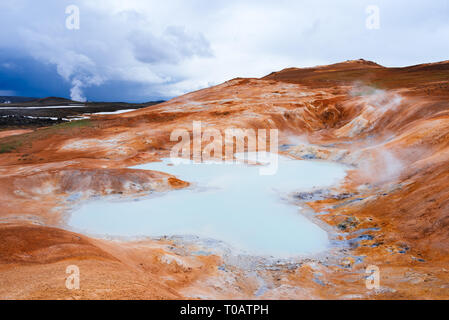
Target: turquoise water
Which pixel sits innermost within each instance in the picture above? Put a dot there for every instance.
(232, 203)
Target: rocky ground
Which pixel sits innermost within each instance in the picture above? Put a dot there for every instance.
(390, 125)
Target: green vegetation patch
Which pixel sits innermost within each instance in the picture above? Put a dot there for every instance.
(72, 124)
(13, 143)
(9, 146)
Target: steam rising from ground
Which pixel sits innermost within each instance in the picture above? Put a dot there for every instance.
(380, 166)
(377, 101)
(76, 92)
(375, 104)
(381, 101)
(297, 140)
(391, 166)
(80, 82)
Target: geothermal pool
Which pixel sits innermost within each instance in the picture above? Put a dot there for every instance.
(231, 203)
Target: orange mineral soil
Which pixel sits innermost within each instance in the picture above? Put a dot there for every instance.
(390, 125)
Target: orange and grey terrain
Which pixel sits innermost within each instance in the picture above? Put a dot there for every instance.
(390, 126)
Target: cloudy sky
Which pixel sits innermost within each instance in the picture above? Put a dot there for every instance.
(141, 50)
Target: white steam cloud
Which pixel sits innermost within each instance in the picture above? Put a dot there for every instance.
(377, 165)
(381, 101)
(76, 93)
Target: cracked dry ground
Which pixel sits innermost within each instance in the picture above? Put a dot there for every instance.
(390, 125)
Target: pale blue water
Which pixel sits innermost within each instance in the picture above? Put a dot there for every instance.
(232, 203)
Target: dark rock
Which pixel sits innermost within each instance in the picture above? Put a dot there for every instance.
(285, 147)
(309, 157)
(350, 222)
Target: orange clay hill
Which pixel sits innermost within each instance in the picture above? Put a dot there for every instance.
(389, 125)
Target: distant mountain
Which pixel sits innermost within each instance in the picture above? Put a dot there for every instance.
(13, 99)
(48, 101)
(57, 101)
(368, 72)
